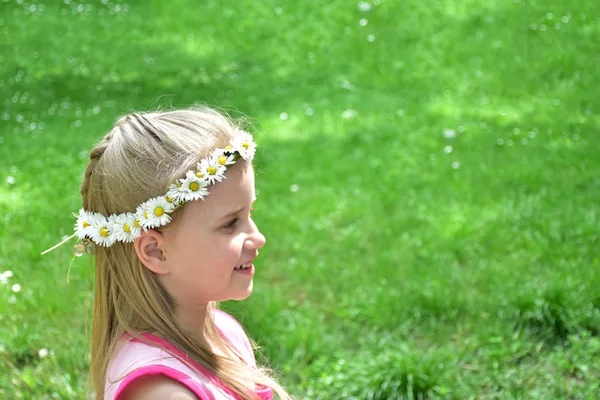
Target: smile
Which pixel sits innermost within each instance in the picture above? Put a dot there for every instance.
(245, 269)
(245, 266)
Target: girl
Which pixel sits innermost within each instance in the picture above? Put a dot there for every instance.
(167, 200)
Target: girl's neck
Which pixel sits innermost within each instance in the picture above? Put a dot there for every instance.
(192, 320)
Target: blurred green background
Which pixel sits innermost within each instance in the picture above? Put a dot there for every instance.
(428, 177)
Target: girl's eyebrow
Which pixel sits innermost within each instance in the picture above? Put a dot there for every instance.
(235, 212)
(231, 214)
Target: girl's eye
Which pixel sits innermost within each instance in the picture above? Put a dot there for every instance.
(231, 224)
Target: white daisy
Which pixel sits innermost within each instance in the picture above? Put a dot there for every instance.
(216, 153)
(123, 227)
(83, 224)
(199, 173)
(223, 156)
(154, 213)
(100, 231)
(193, 186)
(212, 170)
(244, 144)
(137, 223)
(141, 215)
(176, 194)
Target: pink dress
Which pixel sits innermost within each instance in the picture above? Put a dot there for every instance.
(136, 359)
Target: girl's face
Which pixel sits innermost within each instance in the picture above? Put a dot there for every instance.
(211, 238)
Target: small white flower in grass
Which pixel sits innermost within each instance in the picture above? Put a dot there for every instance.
(12, 299)
(244, 144)
(16, 288)
(211, 170)
(84, 224)
(364, 6)
(123, 227)
(100, 231)
(155, 212)
(43, 353)
(349, 114)
(5, 276)
(449, 133)
(194, 188)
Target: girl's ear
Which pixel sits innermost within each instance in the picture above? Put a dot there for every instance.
(149, 248)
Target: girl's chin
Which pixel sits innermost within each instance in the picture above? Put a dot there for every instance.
(243, 295)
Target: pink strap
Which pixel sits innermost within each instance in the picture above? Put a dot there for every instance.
(169, 373)
(175, 351)
(264, 393)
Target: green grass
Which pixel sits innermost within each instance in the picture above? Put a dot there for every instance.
(401, 267)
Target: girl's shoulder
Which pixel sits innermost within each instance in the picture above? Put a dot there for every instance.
(135, 359)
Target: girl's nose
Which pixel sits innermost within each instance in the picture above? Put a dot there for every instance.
(256, 238)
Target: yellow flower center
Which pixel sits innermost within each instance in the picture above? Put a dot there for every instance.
(158, 211)
(199, 174)
(146, 214)
(170, 199)
(246, 145)
(179, 185)
(228, 148)
(104, 232)
(127, 228)
(137, 223)
(222, 160)
(211, 170)
(194, 186)
(85, 224)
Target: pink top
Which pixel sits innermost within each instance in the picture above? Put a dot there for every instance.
(136, 359)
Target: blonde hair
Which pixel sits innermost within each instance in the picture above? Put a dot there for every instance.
(134, 162)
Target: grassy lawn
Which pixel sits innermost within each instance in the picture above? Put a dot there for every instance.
(428, 177)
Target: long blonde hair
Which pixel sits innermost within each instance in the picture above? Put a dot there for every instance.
(134, 162)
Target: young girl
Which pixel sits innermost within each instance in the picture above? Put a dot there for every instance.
(167, 201)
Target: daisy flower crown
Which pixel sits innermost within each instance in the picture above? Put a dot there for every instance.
(93, 227)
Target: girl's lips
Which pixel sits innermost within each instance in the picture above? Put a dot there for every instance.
(249, 271)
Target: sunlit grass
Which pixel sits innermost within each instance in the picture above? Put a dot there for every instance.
(427, 177)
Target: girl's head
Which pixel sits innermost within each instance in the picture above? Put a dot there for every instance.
(140, 286)
(205, 257)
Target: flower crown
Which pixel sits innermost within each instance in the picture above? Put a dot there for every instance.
(126, 227)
